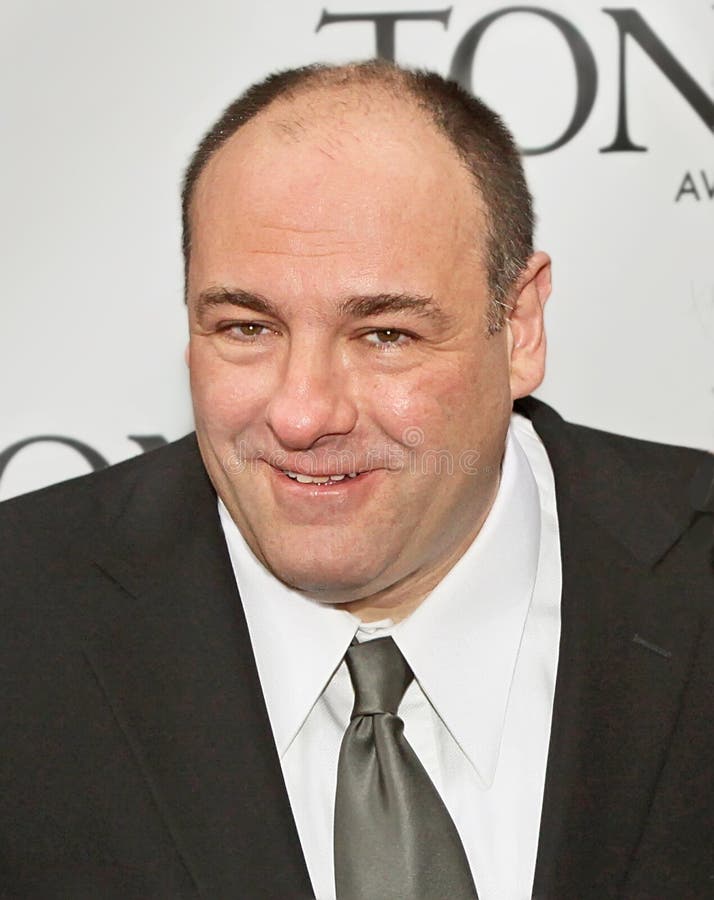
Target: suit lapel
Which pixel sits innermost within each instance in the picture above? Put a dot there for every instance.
(175, 662)
(624, 657)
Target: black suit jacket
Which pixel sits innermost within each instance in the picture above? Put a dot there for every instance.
(136, 756)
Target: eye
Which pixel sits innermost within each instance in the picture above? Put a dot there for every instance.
(384, 337)
(242, 331)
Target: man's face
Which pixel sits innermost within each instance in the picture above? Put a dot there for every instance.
(337, 301)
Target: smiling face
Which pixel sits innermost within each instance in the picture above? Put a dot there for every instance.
(337, 303)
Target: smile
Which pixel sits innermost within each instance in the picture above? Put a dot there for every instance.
(318, 479)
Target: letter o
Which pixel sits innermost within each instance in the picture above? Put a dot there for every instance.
(585, 67)
(95, 460)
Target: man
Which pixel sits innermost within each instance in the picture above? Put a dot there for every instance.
(209, 652)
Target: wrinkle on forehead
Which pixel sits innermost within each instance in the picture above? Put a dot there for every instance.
(302, 230)
(270, 238)
(315, 254)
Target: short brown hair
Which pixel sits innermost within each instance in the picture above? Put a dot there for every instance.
(478, 135)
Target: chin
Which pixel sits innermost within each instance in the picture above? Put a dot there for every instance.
(329, 581)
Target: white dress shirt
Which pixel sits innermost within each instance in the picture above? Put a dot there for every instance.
(483, 647)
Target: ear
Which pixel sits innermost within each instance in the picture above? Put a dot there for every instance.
(526, 334)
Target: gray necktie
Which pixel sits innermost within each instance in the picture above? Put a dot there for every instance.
(394, 838)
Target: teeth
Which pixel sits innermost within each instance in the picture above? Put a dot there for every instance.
(317, 479)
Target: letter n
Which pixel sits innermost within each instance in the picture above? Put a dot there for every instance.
(629, 21)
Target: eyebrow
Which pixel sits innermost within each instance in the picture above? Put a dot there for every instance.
(356, 307)
(361, 307)
(235, 297)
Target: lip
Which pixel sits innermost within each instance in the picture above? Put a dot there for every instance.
(313, 471)
(281, 473)
(293, 491)
(331, 475)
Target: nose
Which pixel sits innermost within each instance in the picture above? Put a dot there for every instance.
(312, 399)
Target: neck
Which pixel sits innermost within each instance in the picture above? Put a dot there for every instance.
(400, 600)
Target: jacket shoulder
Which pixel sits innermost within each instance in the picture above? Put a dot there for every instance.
(663, 465)
(650, 496)
(61, 515)
(680, 478)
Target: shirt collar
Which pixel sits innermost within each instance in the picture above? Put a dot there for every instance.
(462, 642)
(297, 642)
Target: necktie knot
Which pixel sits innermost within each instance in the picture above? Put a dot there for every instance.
(380, 676)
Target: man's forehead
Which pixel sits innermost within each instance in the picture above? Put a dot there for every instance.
(332, 173)
(343, 127)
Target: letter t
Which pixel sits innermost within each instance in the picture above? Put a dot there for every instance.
(385, 24)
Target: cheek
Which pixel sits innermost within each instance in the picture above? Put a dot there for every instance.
(225, 399)
(415, 410)
(452, 405)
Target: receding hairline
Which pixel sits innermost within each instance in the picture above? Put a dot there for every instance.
(291, 116)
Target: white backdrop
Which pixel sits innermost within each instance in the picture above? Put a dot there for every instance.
(104, 101)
